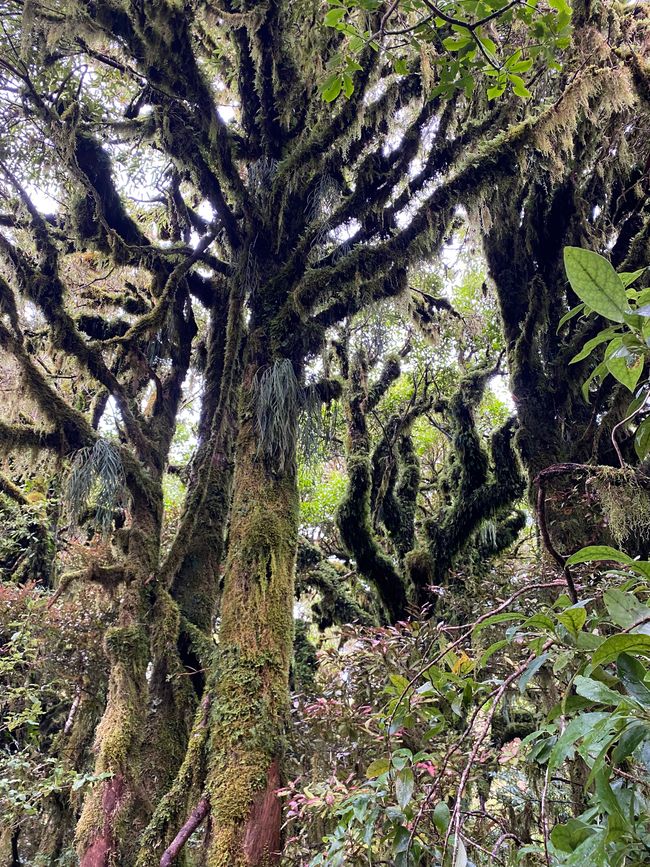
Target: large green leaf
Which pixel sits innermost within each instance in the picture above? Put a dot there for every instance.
(590, 345)
(594, 690)
(633, 674)
(404, 785)
(576, 729)
(624, 608)
(612, 647)
(595, 282)
(626, 367)
(598, 552)
(568, 837)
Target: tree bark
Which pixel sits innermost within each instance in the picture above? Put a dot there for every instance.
(114, 812)
(249, 712)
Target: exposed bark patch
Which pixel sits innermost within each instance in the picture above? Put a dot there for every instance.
(262, 835)
(97, 854)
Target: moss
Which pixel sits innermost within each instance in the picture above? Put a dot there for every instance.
(625, 500)
(354, 517)
(250, 706)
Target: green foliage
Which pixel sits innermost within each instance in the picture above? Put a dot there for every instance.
(492, 41)
(538, 709)
(627, 352)
(48, 658)
(321, 491)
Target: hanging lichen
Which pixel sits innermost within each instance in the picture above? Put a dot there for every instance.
(625, 502)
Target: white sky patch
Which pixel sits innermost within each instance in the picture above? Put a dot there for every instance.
(500, 387)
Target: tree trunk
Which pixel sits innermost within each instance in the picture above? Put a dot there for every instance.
(250, 705)
(115, 810)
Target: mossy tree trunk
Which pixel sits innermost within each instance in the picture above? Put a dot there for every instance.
(250, 704)
(115, 810)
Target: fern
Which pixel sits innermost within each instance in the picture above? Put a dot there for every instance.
(96, 481)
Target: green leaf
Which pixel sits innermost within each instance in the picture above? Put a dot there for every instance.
(624, 608)
(629, 277)
(518, 87)
(633, 675)
(576, 729)
(569, 315)
(568, 837)
(495, 92)
(600, 371)
(441, 817)
(642, 439)
(504, 617)
(597, 553)
(404, 785)
(612, 647)
(492, 649)
(602, 337)
(595, 282)
(594, 690)
(573, 619)
(334, 17)
(377, 768)
(629, 741)
(530, 672)
(332, 88)
(628, 374)
(455, 43)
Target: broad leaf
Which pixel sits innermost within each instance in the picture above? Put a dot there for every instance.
(404, 785)
(594, 690)
(595, 282)
(612, 647)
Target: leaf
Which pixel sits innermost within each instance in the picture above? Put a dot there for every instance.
(568, 837)
(629, 277)
(628, 374)
(629, 741)
(461, 854)
(633, 674)
(332, 88)
(608, 800)
(600, 371)
(518, 87)
(595, 282)
(642, 439)
(333, 17)
(575, 730)
(594, 690)
(492, 649)
(573, 619)
(569, 315)
(504, 617)
(612, 647)
(495, 92)
(590, 345)
(456, 43)
(377, 768)
(441, 817)
(404, 785)
(532, 669)
(598, 553)
(624, 608)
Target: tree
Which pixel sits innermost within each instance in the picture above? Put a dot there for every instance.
(280, 223)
